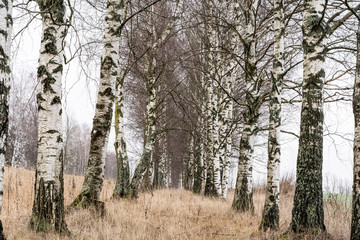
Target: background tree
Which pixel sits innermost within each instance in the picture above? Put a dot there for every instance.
(144, 171)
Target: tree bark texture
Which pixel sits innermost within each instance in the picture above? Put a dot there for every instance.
(270, 217)
(308, 213)
(144, 171)
(48, 207)
(243, 198)
(123, 169)
(122, 162)
(150, 134)
(109, 75)
(355, 221)
(5, 52)
(189, 167)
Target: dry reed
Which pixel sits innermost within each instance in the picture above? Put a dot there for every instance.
(163, 214)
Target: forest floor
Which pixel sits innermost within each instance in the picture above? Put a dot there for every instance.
(163, 214)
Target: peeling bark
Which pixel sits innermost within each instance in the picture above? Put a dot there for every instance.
(48, 207)
(270, 217)
(308, 213)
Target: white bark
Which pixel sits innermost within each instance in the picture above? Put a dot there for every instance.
(104, 108)
(227, 113)
(271, 208)
(49, 101)
(150, 128)
(49, 169)
(164, 163)
(5, 46)
(243, 199)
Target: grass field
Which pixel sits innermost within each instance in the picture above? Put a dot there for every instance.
(163, 214)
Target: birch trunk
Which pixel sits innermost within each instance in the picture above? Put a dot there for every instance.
(215, 123)
(150, 134)
(243, 198)
(213, 185)
(209, 186)
(18, 157)
(104, 108)
(5, 47)
(122, 161)
(270, 217)
(355, 222)
(199, 170)
(48, 207)
(226, 139)
(164, 170)
(189, 168)
(308, 213)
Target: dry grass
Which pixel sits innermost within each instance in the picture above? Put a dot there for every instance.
(165, 214)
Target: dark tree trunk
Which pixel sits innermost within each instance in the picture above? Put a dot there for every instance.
(308, 213)
(355, 221)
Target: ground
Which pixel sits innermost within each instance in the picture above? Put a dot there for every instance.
(163, 214)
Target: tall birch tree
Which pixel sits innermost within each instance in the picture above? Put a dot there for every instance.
(355, 221)
(270, 217)
(243, 199)
(5, 47)
(122, 161)
(48, 207)
(109, 73)
(308, 213)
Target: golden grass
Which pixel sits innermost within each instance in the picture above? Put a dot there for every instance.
(165, 214)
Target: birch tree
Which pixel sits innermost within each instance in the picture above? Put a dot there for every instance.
(5, 46)
(123, 168)
(308, 213)
(48, 207)
(270, 218)
(243, 200)
(218, 83)
(355, 222)
(104, 108)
